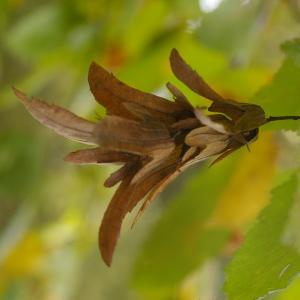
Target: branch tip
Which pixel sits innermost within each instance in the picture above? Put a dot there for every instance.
(280, 118)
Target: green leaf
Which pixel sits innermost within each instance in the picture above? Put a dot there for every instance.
(144, 27)
(266, 262)
(36, 34)
(282, 96)
(19, 153)
(224, 34)
(292, 49)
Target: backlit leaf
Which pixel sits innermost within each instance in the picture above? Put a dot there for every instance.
(265, 262)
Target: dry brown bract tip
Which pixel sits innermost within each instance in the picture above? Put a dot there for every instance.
(154, 138)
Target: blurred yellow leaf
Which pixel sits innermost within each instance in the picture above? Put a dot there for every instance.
(248, 190)
(189, 288)
(23, 260)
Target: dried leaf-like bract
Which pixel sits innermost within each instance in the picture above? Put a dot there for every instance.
(154, 138)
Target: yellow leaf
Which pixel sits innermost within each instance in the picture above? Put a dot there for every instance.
(248, 190)
(23, 260)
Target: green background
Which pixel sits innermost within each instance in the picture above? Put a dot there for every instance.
(226, 232)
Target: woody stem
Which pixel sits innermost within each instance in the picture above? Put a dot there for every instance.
(270, 119)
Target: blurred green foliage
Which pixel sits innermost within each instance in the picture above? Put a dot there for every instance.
(50, 211)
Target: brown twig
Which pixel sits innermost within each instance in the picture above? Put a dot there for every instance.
(271, 119)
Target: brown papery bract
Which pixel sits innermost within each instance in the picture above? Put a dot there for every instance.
(153, 138)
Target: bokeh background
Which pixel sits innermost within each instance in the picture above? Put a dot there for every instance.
(184, 246)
